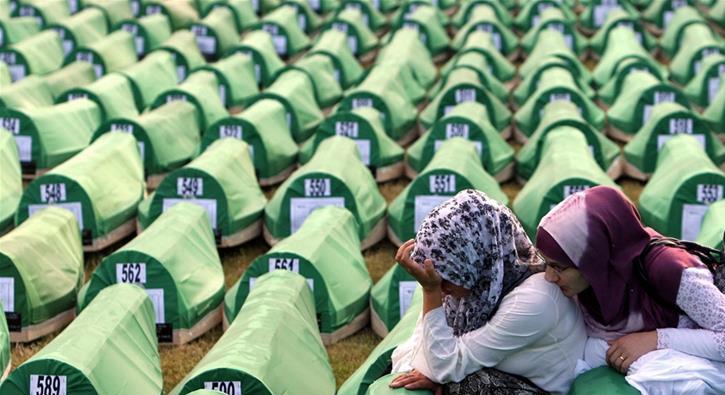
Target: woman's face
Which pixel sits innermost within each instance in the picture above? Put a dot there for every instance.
(456, 291)
(568, 278)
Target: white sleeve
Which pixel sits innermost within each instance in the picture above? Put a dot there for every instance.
(402, 356)
(521, 319)
(705, 305)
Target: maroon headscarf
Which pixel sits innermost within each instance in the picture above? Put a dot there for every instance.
(600, 232)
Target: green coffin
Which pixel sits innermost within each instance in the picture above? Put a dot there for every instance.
(202, 90)
(182, 46)
(551, 43)
(288, 37)
(703, 88)
(530, 83)
(602, 380)
(70, 76)
(351, 21)
(598, 13)
(11, 183)
(39, 54)
(112, 93)
(81, 29)
(531, 13)
(45, 12)
(711, 232)
(698, 42)
(479, 42)
(149, 32)
(484, 17)
(714, 115)
(113, 52)
(618, 18)
(324, 76)
(611, 90)
(259, 46)
(235, 75)
(554, 19)
(32, 91)
(621, 45)
(150, 77)
(181, 13)
(334, 44)
(425, 19)
(15, 30)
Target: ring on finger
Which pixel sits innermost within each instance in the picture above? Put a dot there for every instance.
(622, 357)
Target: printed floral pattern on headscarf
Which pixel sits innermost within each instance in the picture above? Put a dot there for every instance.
(477, 243)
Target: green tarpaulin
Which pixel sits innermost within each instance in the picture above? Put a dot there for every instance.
(377, 364)
(11, 183)
(406, 50)
(182, 45)
(42, 132)
(554, 19)
(149, 32)
(685, 183)
(602, 380)
(479, 43)
(551, 43)
(471, 121)
(334, 44)
(15, 30)
(633, 106)
(113, 52)
(324, 76)
(566, 167)
(45, 12)
(217, 32)
(235, 75)
(372, 16)
(611, 90)
(382, 387)
(181, 13)
(484, 16)
(351, 21)
(175, 260)
(202, 90)
(713, 226)
(70, 76)
(263, 125)
(714, 115)
(110, 347)
(622, 45)
(698, 41)
(32, 91)
(617, 18)
(41, 268)
(295, 89)
(703, 88)
(273, 347)
(425, 20)
(150, 77)
(531, 13)
(102, 185)
(222, 181)
(599, 13)
(167, 137)
(39, 54)
(259, 45)
(326, 251)
(455, 167)
(660, 13)
(562, 114)
(288, 37)
(113, 93)
(666, 121)
(528, 86)
(327, 181)
(81, 29)
(376, 149)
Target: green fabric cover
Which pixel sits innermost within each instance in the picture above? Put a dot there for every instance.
(202, 90)
(551, 43)
(467, 7)
(150, 77)
(531, 13)
(598, 13)
(182, 45)
(307, 19)
(425, 20)
(113, 52)
(661, 12)
(682, 187)
(382, 387)
(235, 75)
(455, 167)
(243, 11)
(5, 350)
(554, 19)
(273, 347)
(640, 92)
(70, 76)
(561, 114)
(288, 37)
(81, 29)
(478, 63)
(363, 125)
(5, 78)
(181, 13)
(111, 346)
(103, 185)
(463, 85)
(46, 12)
(31, 91)
(682, 18)
(263, 125)
(483, 17)
(326, 251)
(42, 132)
(324, 181)
(622, 45)
(259, 45)
(113, 93)
(43, 261)
(324, 76)
(351, 21)
(556, 84)
(479, 42)
(713, 226)
(566, 167)
(530, 83)
(379, 359)
(295, 89)
(15, 30)
(666, 121)
(405, 50)
(703, 88)
(176, 255)
(39, 54)
(114, 11)
(714, 115)
(372, 16)
(611, 90)
(168, 136)
(384, 6)
(217, 32)
(618, 18)
(717, 13)
(334, 44)
(11, 183)
(698, 41)
(221, 179)
(149, 32)
(602, 380)
(471, 121)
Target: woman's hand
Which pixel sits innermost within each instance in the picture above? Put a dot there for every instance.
(627, 349)
(426, 275)
(414, 380)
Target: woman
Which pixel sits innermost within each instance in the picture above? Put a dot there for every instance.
(485, 306)
(592, 243)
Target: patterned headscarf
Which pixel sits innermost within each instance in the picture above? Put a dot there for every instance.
(477, 243)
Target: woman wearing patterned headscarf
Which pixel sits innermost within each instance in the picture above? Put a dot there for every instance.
(592, 242)
(485, 305)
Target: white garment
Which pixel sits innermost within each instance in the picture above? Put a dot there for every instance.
(537, 333)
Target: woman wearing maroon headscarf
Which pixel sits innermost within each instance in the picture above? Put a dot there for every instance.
(591, 243)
